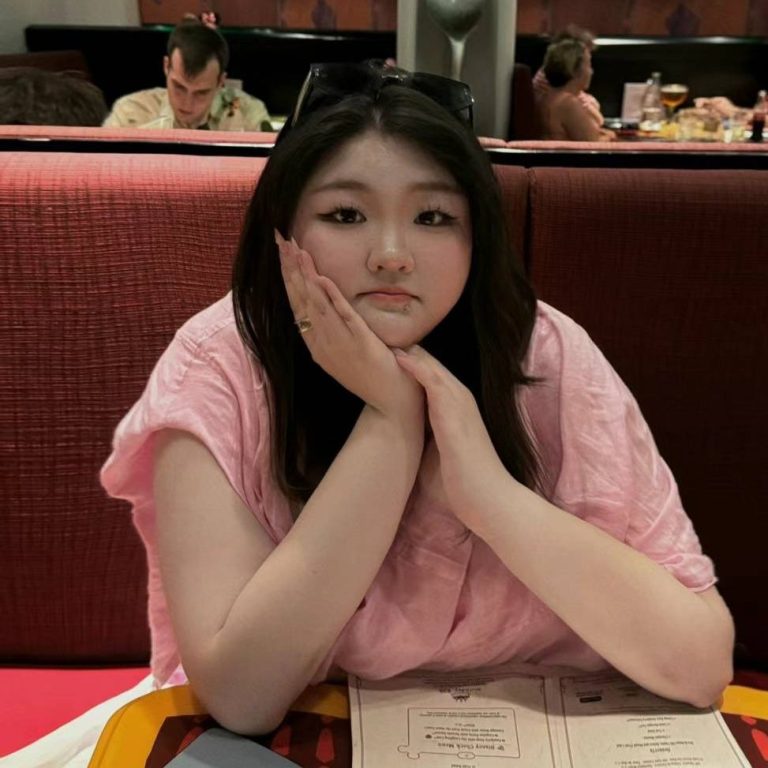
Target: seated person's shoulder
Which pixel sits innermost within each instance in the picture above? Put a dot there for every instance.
(570, 104)
(556, 335)
(213, 331)
(555, 114)
(578, 124)
(253, 110)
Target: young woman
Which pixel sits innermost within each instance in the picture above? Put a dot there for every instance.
(381, 453)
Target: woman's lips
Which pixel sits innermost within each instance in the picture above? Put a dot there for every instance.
(389, 299)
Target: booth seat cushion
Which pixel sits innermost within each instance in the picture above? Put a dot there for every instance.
(36, 701)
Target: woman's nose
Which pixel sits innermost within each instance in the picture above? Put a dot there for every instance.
(390, 253)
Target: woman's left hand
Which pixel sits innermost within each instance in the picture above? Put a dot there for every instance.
(471, 471)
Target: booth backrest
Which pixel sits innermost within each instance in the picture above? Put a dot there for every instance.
(105, 255)
(72, 62)
(523, 123)
(667, 271)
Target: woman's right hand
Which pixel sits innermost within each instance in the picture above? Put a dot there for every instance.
(341, 342)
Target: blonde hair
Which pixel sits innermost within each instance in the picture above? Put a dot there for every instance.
(563, 60)
(572, 32)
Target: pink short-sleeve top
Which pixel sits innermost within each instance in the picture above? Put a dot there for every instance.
(441, 599)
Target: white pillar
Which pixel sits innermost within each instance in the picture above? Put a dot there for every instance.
(490, 54)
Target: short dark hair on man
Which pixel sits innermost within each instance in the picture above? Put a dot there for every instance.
(31, 96)
(198, 45)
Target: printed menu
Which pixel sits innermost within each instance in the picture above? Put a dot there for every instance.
(525, 716)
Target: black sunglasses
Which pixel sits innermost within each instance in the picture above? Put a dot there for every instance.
(328, 84)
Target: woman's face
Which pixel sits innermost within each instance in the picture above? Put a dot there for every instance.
(392, 229)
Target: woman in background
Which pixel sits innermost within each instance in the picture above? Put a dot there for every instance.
(541, 84)
(561, 113)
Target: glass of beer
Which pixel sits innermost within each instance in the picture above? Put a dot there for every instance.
(672, 96)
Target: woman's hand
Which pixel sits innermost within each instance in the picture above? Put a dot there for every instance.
(340, 341)
(471, 471)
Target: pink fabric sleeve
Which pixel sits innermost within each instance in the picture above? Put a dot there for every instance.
(540, 83)
(188, 390)
(205, 384)
(592, 105)
(611, 473)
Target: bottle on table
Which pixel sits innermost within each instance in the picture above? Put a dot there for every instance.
(758, 116)
(652, 109)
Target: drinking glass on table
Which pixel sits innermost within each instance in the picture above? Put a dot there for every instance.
(672, 96)
(738, 123)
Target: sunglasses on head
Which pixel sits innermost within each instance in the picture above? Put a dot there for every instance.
(327, 84)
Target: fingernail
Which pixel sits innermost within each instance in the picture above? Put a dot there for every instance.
(280, 243)
(399, 352)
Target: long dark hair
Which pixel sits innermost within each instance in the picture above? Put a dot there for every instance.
(482, 340)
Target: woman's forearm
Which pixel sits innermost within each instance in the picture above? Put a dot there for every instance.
(288, 616)
(632, 611)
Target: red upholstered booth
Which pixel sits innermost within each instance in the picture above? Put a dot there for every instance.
(668, 273)
(104, 255)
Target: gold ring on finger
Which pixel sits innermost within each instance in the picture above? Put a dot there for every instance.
(303, 324)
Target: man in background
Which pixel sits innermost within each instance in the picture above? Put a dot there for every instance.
(196, 95)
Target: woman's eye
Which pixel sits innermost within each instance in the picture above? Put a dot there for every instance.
(345, 216)
(434, 218)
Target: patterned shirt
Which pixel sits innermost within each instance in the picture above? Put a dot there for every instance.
(231, 110)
